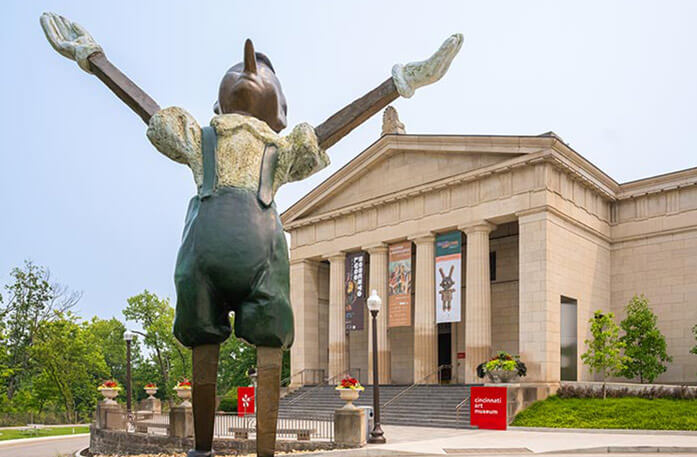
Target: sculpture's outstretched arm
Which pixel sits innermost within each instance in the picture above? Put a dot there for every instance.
(74, 42)
(404, 81)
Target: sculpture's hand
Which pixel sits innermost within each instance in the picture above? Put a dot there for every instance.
(69, 39)
(409, 77)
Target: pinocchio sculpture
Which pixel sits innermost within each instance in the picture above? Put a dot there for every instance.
(233, 256)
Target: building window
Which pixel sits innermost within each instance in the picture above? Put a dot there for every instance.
(492, 266)
(569, 339)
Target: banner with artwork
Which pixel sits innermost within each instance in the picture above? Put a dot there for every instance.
(448, 277)
(355, 290)
(399, 285)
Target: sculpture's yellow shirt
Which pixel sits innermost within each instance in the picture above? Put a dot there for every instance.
(241, 142)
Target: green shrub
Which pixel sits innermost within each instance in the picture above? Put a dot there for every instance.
(228, 403)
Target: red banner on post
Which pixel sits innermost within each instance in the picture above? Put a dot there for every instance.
(245, 401)
(488, 407)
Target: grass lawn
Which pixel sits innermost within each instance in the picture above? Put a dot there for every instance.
(13, 434)
(622, 413)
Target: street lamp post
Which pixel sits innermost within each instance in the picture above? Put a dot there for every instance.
(376, 435)
(128, 337)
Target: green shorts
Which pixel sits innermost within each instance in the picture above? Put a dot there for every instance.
(233, 257)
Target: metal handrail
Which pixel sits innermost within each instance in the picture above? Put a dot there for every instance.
(321, 384)
(459, 407)
(301, 372)
(420, 381)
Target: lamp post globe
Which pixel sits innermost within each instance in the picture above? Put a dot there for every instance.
(374, 303)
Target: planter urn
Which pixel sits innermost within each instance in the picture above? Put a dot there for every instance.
(151, 391)
(109, 395)
(349, 396)
(501, 376)
(185, 395)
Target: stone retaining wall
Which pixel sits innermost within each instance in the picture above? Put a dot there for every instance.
(122, 443)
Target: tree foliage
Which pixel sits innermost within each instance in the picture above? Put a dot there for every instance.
(70, 363)
(156, 317)
(645, 345)
(604, 353)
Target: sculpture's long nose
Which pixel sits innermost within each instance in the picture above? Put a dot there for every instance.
(250, 59)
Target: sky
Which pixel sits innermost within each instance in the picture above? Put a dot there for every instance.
(86, 195)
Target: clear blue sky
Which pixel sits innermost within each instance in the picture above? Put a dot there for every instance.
(84, 193)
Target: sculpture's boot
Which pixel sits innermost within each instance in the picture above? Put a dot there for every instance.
(205, 371)
(269, 390)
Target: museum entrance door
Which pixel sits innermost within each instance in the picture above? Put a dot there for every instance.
(445, 354)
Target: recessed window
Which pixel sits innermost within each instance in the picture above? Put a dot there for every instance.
(492, 266)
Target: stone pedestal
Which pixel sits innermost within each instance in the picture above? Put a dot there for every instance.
(349, 427)
(181, 422)
(111, 416)
(151, 404)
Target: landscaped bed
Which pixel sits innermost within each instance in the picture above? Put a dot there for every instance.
(612, 413)
(14, 434)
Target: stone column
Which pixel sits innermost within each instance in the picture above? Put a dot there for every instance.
(378, 281)
(338, 362)
(304, 289)
(478, 299)
(425, 328)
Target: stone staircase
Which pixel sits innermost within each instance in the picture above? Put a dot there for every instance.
(421, 405)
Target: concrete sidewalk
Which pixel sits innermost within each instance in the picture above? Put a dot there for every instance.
(424, 440)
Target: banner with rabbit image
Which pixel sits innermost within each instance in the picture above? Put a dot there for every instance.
(448, 277)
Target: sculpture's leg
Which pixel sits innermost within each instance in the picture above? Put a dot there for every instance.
(205, 371)
(269, 385)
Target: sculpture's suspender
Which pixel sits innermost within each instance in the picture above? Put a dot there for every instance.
(209, 141)
(267, 174)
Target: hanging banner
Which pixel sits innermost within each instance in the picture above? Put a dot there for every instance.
(448, 277)
(399, 285)
(245, 401)
(355, 286)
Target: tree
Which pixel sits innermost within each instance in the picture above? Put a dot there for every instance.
(70, 363)
(645, 345)
(31, 299)
(156, 317)
(604, 354)
(109, 333)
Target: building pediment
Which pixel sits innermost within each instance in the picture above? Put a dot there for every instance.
(396, 164)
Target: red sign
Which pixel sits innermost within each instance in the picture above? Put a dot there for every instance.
(460, 355)
(488, 407)
(245, 401)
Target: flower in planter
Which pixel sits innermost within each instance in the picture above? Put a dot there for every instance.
(109, 385)
(185, 384)
(151, 385)
(349, 383)
(503, 361)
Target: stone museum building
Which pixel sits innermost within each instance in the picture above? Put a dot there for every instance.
(535, 238)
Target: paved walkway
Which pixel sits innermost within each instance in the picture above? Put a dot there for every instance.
(52, 446)
(424, 440)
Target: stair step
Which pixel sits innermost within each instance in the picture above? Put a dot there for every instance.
(423, 405)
